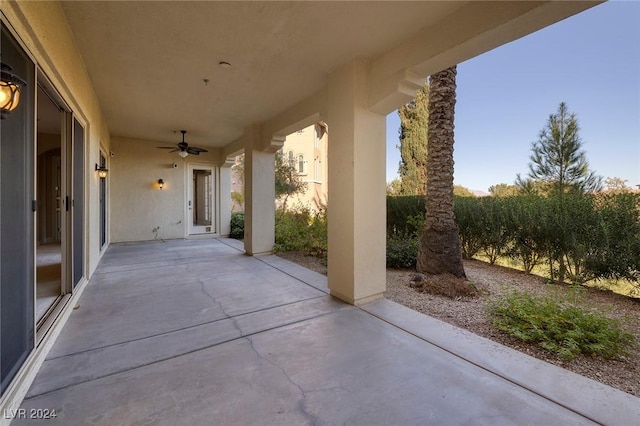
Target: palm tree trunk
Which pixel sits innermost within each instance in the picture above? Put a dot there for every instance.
(440, 250)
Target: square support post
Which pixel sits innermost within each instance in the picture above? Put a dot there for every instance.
(224, 198)
(357, 188)
(260, 192)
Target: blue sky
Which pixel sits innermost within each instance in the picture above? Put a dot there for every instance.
(590, 61)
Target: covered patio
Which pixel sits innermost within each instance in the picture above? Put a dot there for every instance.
(196, 332)
(160, 319)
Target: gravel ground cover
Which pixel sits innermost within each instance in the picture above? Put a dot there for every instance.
(471, 314)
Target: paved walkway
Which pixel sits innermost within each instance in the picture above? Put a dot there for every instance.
(196, 333)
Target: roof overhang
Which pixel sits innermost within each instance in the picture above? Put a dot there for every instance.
(148, 61)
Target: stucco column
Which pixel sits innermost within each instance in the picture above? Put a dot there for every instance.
(259, 207)
(224, 197)
(357, 203)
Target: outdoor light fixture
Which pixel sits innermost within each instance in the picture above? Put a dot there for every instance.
(10, 87)
(160, 183)
(102, 171)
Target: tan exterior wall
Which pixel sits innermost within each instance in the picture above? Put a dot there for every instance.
(138, 205)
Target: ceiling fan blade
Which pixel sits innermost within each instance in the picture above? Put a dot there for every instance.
(196, 149)
(166, 147)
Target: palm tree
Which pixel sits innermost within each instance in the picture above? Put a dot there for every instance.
(440, 251)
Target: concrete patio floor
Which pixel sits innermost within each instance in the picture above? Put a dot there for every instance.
(194, 332)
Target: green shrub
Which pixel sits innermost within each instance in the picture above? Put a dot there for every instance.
(402, 251)
(581, 237)
(526, 222)
(399, 209)
(617, 254)
(237, 225)
(302, 229)
(291, 229)
(469, 216)
(317, 239)
(561, 328)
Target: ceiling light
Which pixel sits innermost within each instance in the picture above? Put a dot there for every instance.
(183, 154)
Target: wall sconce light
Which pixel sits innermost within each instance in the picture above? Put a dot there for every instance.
(10, 87)
(160, 183)
(102, 171)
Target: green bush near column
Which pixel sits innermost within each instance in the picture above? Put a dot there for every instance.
(237, 225)
(302, 229)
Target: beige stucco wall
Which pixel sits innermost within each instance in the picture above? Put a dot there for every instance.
(137, 204)
(43, 30)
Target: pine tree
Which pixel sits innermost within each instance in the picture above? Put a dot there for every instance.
(558, 158)
(559, 166)
(413, 144)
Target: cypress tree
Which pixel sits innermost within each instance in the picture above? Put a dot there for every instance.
(414, 117)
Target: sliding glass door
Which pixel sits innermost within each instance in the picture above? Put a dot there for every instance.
(17, 319)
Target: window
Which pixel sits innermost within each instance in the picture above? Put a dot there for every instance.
(292, 161)
(301, 164)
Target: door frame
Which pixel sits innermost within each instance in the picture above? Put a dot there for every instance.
(46, 89)
(190, 228)
(103, 196)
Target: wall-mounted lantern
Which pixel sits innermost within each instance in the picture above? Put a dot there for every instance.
(102, 171)
(10, 87)
(160, 183)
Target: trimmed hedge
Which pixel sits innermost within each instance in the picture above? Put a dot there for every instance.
(579, 237)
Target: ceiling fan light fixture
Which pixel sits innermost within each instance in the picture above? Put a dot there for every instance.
(183, 149)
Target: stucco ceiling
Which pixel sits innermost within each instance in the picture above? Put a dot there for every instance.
(148, 60)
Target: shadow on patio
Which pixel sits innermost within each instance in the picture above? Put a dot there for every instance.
(195, 332)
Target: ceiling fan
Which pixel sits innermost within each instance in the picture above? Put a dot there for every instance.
(183, 149)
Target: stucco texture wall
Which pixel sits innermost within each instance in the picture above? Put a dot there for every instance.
(138, 205)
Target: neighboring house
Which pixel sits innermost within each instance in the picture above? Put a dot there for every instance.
(306, 151)
(107, 83)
